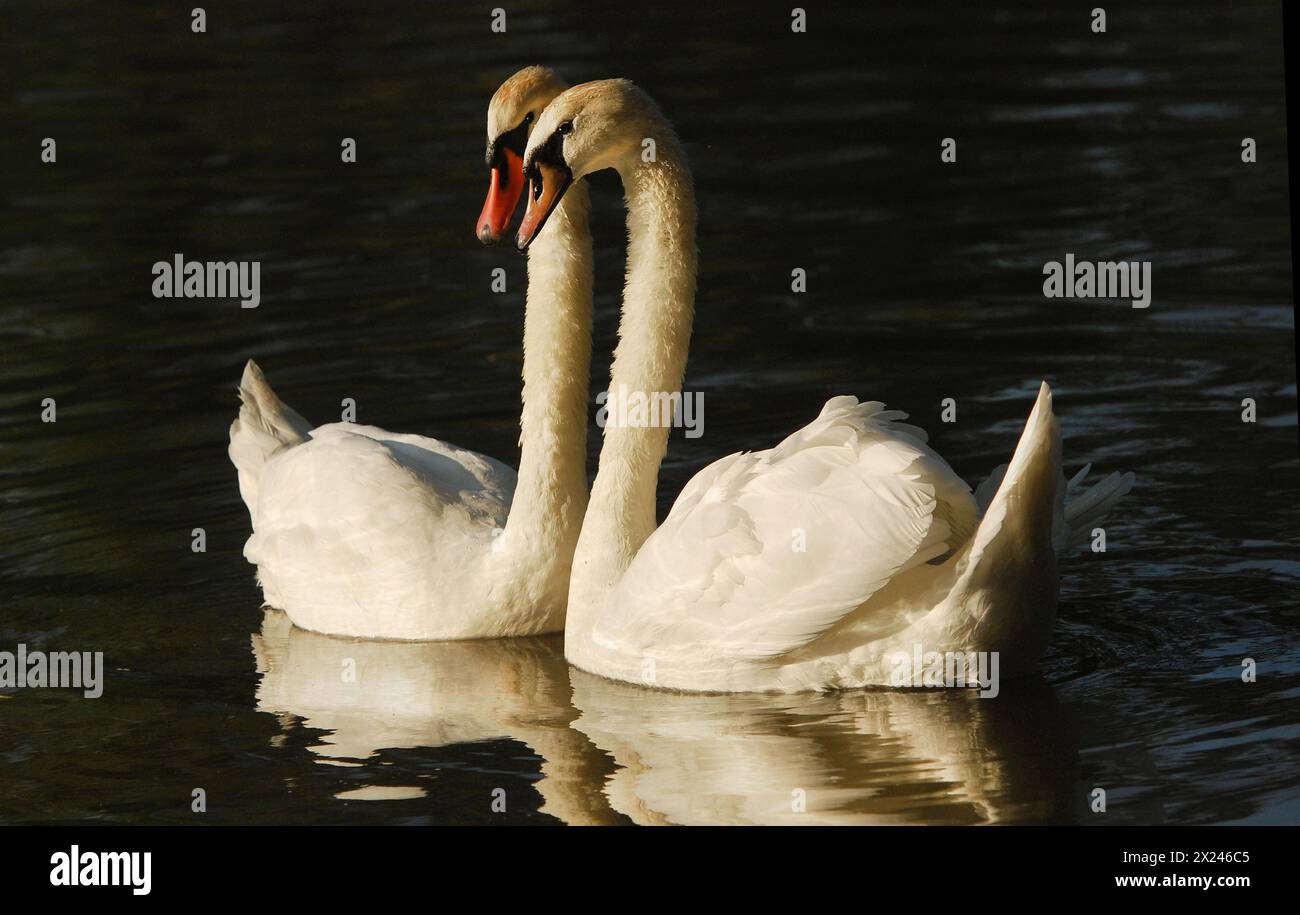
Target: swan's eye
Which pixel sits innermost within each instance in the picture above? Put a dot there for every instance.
(566, 128)
(528, 119)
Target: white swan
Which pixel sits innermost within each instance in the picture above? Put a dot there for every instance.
(898, 555)
(367, 533)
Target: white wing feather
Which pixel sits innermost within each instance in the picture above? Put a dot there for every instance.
(356, 510)
(763, 552)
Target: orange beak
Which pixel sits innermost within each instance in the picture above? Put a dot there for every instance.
(547, 184)
(506, 185)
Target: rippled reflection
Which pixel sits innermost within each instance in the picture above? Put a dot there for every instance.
(372, 696)
(856, 757)
(861, 757)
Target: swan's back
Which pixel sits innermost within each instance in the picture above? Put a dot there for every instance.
(764, 552)
(360, 517)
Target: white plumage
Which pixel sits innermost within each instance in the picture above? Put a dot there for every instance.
(814, 564)
(363, 532)
(763, 552)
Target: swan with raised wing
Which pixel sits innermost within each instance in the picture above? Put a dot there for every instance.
(898, 555)
(362, 532)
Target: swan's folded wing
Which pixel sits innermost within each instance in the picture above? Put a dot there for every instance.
(763, 552)
(354, 496)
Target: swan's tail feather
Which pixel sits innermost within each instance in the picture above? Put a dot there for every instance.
(265, 425)
(1079, 507)
(1085, 508)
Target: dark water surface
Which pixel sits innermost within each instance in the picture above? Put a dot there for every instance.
(818, 151)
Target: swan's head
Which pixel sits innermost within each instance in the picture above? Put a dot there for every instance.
(514, 109)
(588, 128)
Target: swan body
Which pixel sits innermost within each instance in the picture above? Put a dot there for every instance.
(830, 560)
(362, 532)
(821, 563)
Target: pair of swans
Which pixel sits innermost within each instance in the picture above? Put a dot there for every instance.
(366, 533)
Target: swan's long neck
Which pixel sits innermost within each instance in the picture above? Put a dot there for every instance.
(654, 339)
(551, 490)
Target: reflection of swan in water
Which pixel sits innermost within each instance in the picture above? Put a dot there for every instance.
(865, 757)
(875, 756)
(432, 694)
